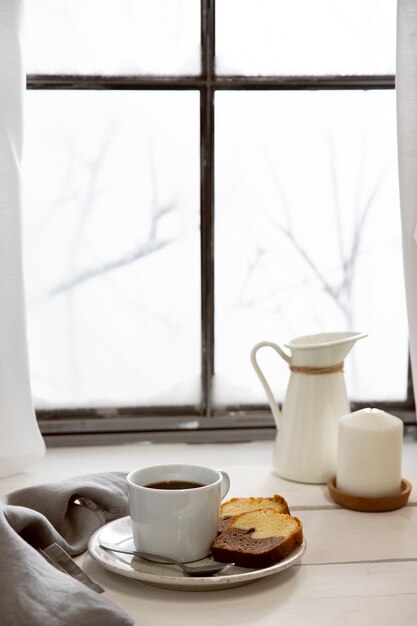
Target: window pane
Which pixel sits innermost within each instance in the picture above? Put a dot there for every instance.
(308, 235)
(298, 37)
(111, 225)
(112, 36)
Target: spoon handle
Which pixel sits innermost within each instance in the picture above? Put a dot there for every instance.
(146, 555)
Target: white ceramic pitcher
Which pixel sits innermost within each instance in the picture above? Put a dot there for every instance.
(306, 444)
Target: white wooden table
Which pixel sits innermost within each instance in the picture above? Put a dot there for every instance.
(359, 568)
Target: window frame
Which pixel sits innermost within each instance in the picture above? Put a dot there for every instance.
(202, 423)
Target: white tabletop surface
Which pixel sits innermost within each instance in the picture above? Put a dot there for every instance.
(359, 568)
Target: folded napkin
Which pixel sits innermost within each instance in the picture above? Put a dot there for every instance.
(39, 526)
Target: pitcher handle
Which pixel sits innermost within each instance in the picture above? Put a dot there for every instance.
(271, 399)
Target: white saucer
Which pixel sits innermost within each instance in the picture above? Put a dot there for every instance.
(169, 576)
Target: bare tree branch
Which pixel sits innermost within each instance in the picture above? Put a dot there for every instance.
(150, 245)
(340, 291)
(147, 248)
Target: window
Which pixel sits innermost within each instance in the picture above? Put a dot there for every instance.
(197, 179)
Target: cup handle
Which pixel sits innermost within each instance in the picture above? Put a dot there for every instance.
(225, 483)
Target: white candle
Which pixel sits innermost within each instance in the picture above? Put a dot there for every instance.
(369, 453)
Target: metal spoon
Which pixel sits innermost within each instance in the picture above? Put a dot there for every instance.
(191, 570)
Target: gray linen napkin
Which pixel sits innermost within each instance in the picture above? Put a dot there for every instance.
(34, 592)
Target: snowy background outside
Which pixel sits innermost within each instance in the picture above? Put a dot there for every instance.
(307, 233)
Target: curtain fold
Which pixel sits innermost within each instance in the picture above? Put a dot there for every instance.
(406, 93)
(20, 441)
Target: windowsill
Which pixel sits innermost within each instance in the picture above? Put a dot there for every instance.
(233, 425)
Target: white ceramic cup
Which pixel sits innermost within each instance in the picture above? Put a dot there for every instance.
(178, 523)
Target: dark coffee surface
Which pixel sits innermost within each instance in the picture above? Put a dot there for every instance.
(174, 484)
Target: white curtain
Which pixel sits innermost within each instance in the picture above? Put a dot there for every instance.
(406, 92)
(20, 441)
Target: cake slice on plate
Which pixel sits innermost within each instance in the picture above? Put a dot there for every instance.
(258, 538)
(236, 506)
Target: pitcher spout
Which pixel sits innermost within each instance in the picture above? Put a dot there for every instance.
(323, 349)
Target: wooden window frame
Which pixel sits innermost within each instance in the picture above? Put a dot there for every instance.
(204, 422)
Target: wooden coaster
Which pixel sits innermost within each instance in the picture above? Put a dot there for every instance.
(368, 504)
